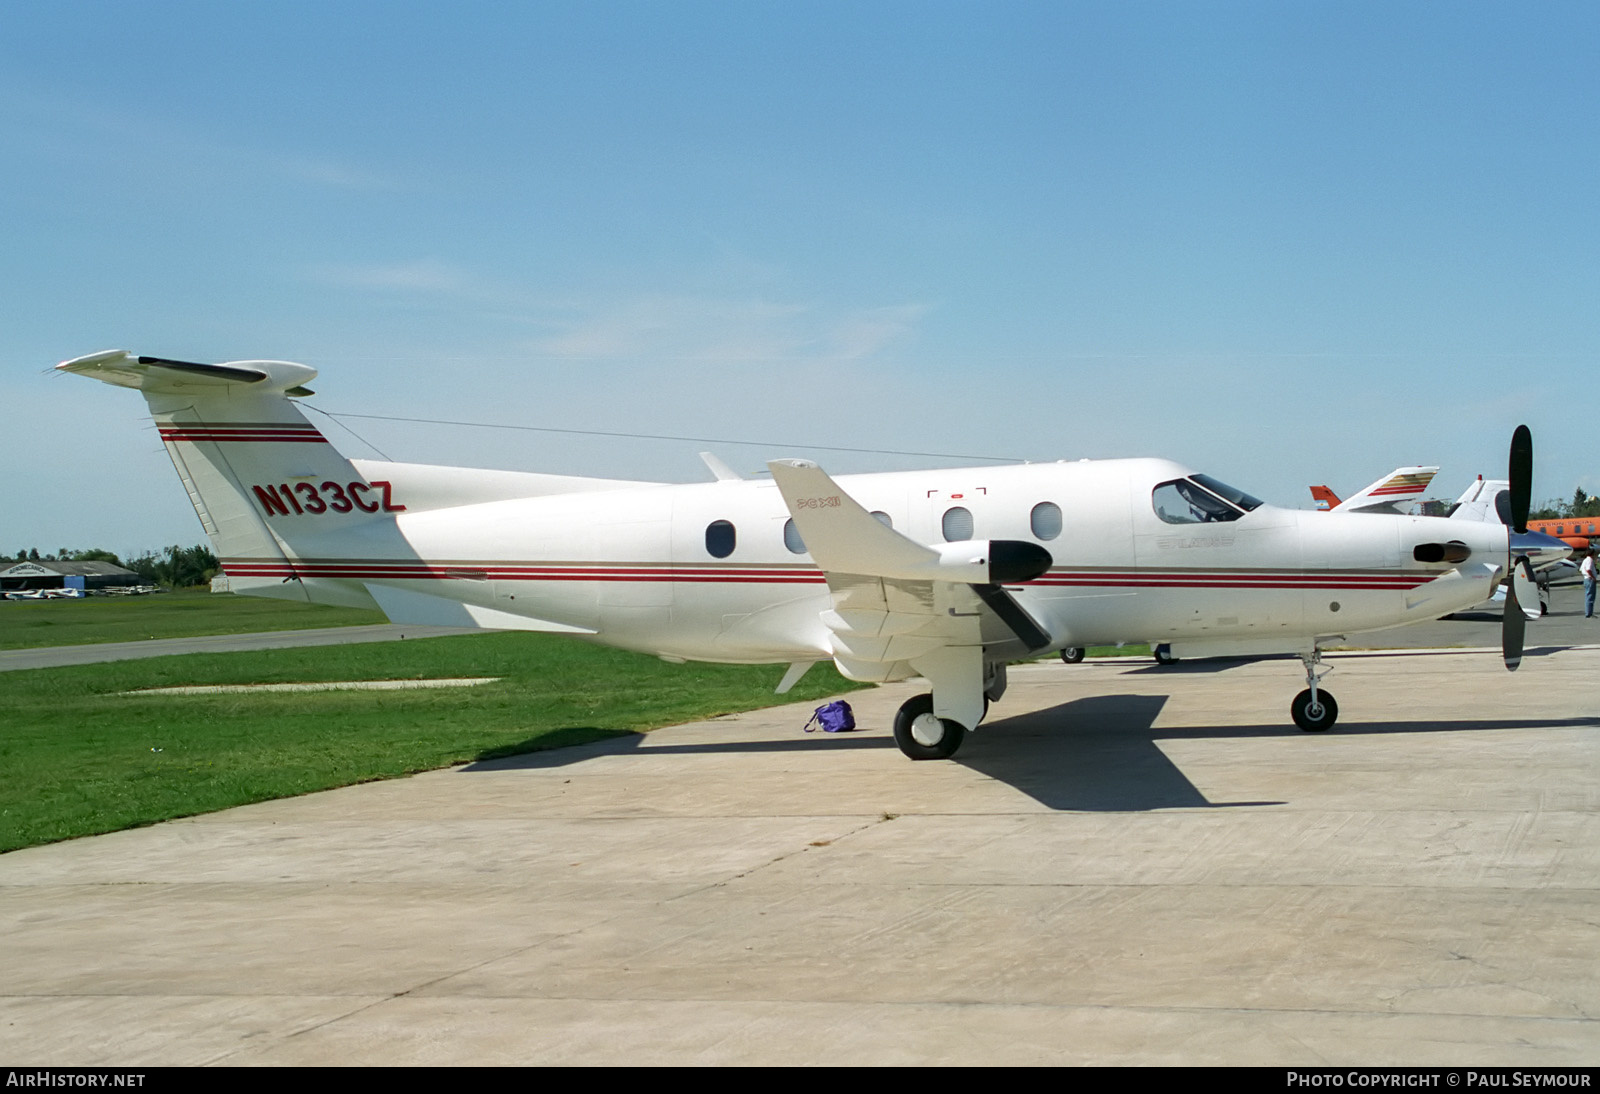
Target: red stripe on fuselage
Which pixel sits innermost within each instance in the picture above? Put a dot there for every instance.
(396, 570)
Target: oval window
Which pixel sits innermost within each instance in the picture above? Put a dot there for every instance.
(791, 538)
(719, 539)
(957, 524)
(1045, 520)
(883, 518)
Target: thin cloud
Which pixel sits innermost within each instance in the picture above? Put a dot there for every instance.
(720, 329)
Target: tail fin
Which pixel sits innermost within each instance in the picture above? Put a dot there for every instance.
(1486, 500)
(1326, 499)
(1394, 493)
(265, 482)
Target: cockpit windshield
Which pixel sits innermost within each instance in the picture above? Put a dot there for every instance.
(1231, 493)
(1200, 499)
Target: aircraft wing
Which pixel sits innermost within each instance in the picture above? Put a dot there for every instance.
(901, 608)
(1394, 493)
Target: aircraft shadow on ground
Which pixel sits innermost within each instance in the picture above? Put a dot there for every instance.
(1096, 754)
(1222, 664)
(1205, 665)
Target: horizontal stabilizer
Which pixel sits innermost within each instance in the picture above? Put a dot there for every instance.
(162, 375)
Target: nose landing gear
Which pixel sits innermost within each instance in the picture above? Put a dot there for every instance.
(1313, 710)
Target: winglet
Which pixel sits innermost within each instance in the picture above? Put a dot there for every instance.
(841, 535)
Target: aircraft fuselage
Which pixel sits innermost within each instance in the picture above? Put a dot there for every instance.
(635, 565)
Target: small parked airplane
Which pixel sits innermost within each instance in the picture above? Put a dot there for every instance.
(1488, 499)
(1394, 493)
(948, 575)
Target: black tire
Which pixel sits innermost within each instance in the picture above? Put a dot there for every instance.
(907, 729)
(1163, 655)
(1072, 654)
(1301, 711)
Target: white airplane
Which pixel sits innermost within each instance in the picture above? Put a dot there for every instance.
(948, 575)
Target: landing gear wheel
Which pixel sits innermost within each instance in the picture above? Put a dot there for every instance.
(1163, 655)
(1072, 654)
(1314, 719)
(923, 735)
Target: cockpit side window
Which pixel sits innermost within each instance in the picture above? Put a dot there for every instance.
(1182, 501)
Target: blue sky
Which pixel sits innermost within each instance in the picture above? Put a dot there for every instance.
(1281, 242)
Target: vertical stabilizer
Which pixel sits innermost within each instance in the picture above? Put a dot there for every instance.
(268, 487)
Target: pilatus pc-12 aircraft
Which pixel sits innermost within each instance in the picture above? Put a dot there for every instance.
(947, 575)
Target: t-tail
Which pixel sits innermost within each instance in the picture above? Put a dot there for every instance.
(268, 487)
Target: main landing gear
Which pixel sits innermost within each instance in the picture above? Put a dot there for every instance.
(922, 734)
(1313, 710)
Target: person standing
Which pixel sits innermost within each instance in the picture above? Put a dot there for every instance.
(1587, 569)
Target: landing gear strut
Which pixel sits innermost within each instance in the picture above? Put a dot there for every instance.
(1313, 710)
(922, 734)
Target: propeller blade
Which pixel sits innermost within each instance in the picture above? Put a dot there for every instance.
(1527, 589)
(1521, 476)
(1519, 576)
(1512, 625)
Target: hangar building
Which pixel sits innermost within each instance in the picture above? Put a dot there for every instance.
(47, 574)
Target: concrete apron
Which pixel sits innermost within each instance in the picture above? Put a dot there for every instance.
(1125, 865)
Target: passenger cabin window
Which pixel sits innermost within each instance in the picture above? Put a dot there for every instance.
(720, 539)
(883, 518)
(957, 524)
(791, 538)
(1183, 501)
(1045, 520)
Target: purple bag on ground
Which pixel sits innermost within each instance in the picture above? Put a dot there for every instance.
(834, 717)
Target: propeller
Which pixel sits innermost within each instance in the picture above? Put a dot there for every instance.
(1519, 572)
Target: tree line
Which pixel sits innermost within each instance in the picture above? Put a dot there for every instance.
(175, 567)
(1581, 505)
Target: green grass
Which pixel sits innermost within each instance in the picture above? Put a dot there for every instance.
(77, 757)
(183, 614)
